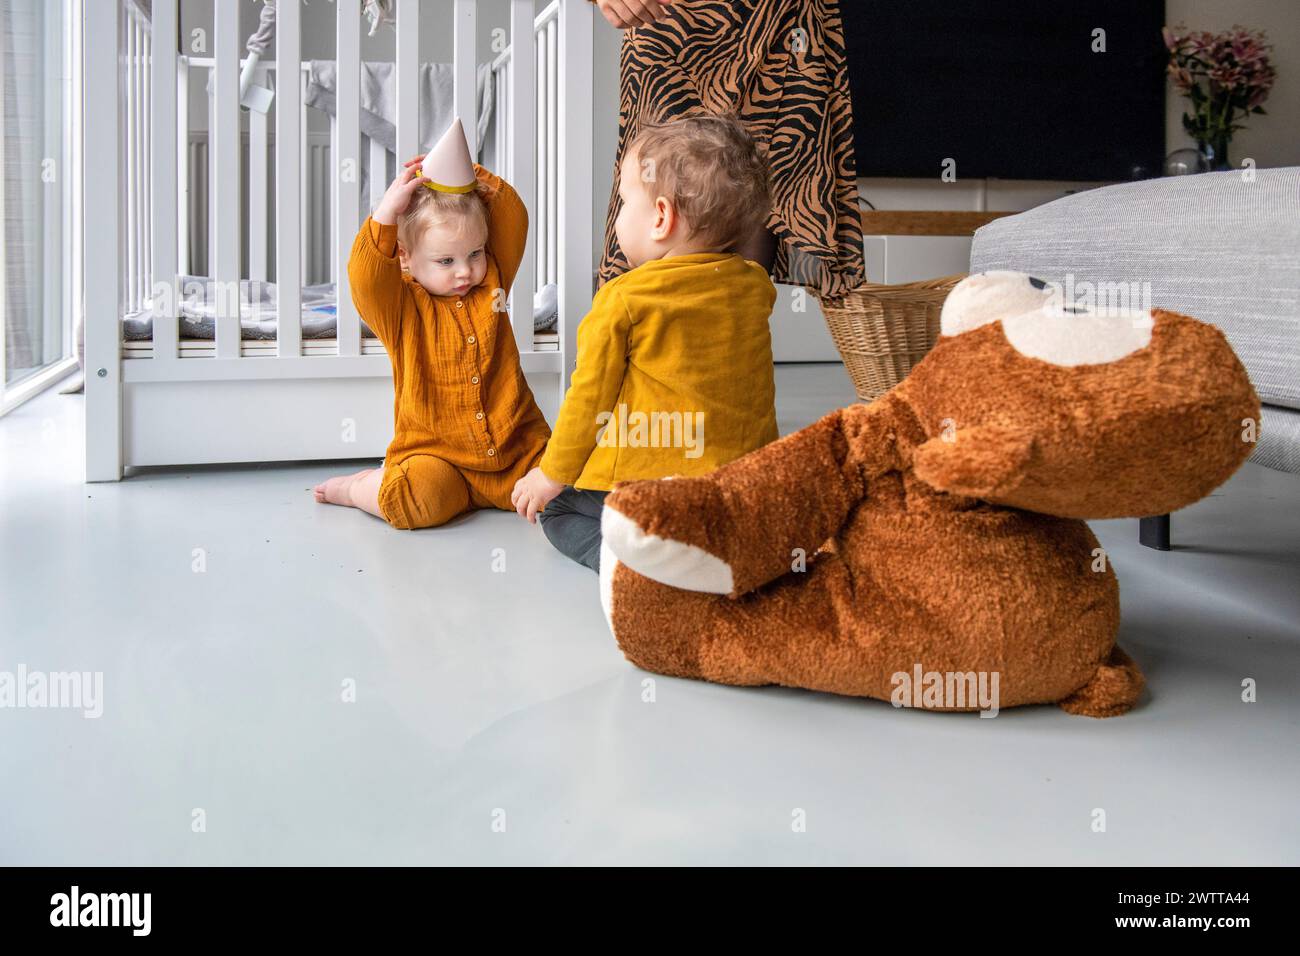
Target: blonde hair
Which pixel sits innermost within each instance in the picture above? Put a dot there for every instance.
(711, 170)
(429, 207)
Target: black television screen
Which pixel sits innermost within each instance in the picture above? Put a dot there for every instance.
(1011, 89)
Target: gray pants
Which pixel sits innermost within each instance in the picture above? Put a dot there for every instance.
(571, 522)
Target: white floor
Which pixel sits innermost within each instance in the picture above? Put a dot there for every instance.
(489, 701)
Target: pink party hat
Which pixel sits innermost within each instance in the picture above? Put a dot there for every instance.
(448, 164)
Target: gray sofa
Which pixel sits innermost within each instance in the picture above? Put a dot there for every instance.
(1214, 246)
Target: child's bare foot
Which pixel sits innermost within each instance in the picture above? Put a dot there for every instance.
(338, 490)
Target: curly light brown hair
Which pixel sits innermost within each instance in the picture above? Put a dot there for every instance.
(712, 171)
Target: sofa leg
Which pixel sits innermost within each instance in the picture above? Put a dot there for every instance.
(1154, 532)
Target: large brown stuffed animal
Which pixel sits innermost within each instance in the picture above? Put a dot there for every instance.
(941, 524)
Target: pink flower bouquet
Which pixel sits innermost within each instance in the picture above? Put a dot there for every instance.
(1227, 76)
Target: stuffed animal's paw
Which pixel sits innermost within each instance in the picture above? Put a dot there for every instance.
(984, 461)
(650, 526)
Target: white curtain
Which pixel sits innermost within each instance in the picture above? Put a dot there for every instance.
(23, 49)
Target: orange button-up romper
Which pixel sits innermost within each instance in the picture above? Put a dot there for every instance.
(466, 427)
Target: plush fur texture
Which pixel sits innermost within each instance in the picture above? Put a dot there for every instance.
(941, 525)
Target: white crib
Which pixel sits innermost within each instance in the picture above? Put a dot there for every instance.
(180, 402)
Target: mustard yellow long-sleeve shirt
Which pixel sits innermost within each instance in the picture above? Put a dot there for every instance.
(674, 374)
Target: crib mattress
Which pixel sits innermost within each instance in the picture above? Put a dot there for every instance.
(258, 302)
(254, 348)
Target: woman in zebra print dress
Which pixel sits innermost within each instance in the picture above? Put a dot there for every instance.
(778, 65)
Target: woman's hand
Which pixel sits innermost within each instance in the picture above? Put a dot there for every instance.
(398, 196)
(633, 13)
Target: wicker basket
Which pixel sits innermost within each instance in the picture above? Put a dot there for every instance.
(882, 331)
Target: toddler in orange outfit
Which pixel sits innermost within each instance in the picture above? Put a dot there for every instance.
(466, 424)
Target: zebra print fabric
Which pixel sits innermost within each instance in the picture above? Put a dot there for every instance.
(780, 66)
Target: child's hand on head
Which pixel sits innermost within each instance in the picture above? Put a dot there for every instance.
(398, 196)
(532, 493)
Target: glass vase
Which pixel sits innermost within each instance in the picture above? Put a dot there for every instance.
(1215, 151)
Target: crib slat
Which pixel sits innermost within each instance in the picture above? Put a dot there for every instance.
(574, 204)
(553, 149)
(257, 198)
(500, 122)
(522, 140)
(146, 143)
(310, 264)
(133, 161)
(378, 167)
(102, 196)
(131, 120)
(408, 80)
(332, 184)
(223, 166)
(137, 143)
(465, 70)
(163, 181)
(205, 200)
(347, 173)
(543, 228)
(288, 159)
(182, 146)
(142, 164)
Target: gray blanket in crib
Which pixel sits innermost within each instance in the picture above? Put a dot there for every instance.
(258, 311)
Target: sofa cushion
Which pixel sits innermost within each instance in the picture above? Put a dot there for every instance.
(1279, 439)
(1212, 246)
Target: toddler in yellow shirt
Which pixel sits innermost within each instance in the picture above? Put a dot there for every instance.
(674, 370)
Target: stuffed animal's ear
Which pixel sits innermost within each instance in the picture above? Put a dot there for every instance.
(981, 461)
